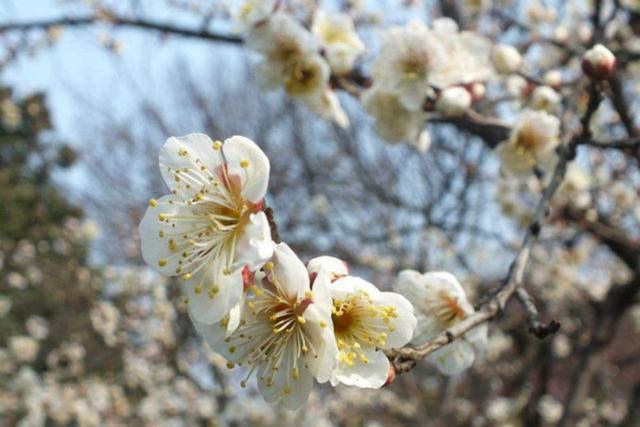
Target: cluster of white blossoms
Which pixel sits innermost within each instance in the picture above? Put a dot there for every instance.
(417, 64)
(299, 60)
(255, 302)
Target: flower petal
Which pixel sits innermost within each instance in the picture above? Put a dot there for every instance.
(453, 358)
(182, 159)
(290, 272)
(212, 294)
(372, 374)
(255, 247)
(246, 160)
(155, 234)
(334, 266)
(404, 325)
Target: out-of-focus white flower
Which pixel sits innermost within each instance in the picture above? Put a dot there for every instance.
(550, 409)
(320, 203)
(325, 103)
(292, 61)
(545, 98)
(334, 267)
(506, 59)
(285, 332)
(440, 302)
(10, 114)
(453, 101)
(341, 43)
(467, 55)
(394, 122)
(251, 12)
(552, 78)
(575, 187)
(598, 62)
(365, 321)
(38, 327)
(538, 13)
(533, 140)
(408, 58)
(24, 348)
(516, 85)
(5, 305)
(424, 141)
(211, 228)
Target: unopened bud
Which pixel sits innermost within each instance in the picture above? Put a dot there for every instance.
(598, 62)
(506, 59)
(453, 101)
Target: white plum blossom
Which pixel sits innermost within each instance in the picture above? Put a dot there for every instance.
(467, 55)
(252, 12)
(545, 98)
(210, 229)
(598, 62)
(533, 140)
(338, 37)
(284, 332)
(292, 60)
(394, 122)
(366, 321)
(408, 58)
(334, 267)
(414, 59)
(453, 101)
(506, 59)
(440, 302)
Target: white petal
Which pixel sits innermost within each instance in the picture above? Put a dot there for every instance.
(453, 358)
(372, 374)
(334, 266)
(290, 272)
(155, 249)
(255, 247)
(254, 176)
(196, 146)
(347, 285)
(299, 388)
(404, 324)
(323, 338)
(205, 305)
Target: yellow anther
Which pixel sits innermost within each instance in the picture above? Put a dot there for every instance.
(286, 390)
(216, 145)
(182, 152)
(295, 374)
(232, 349)
(226, 272)
(256, 290)
(308, 294)
(172, 245)
(323, 324)
(244, 163)
(153, 203)
(230, 365)
(268, 266)
(163, 217)
(305, 348)
(197, 290)
(161, 233)
(243, 383)
(162, 262)
(302, 320)
(186, 276)
(224, 321)
(199, 196)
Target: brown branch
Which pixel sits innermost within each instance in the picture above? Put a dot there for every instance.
(119, 21)
(536, 326)
(273, 226)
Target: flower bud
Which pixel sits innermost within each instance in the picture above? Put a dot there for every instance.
(598, 62)
(506, 59)
(453, 101)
